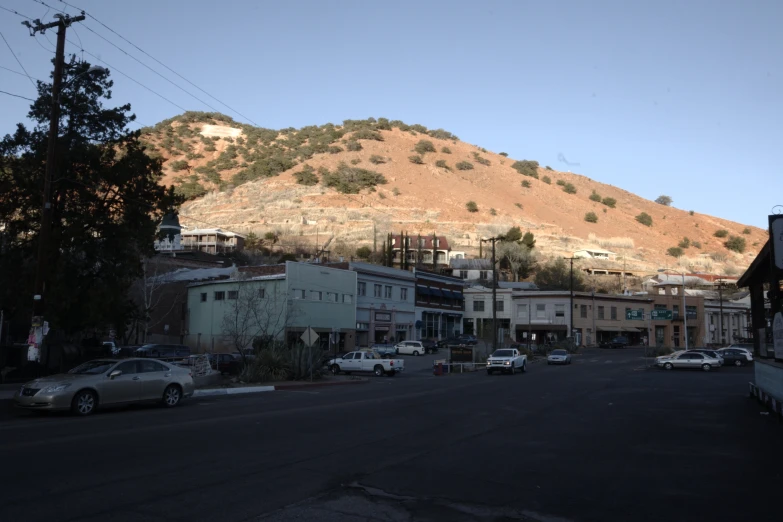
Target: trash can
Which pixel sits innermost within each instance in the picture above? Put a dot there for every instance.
(437, 366)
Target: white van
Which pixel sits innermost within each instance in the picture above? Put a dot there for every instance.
(410, 348)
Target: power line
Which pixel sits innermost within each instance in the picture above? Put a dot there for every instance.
(19, 62)
(49, 8)
(17, 96)
(16, 72)
(148, 67)
(15, 12)
(130, 78)
(159, 62)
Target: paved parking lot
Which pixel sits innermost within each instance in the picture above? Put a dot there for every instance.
(600, 440)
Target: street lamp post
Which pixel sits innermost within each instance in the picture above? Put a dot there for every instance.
(684, 307)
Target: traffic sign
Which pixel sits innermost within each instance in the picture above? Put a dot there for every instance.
(634, 315)
(309, 337)
(662, 315)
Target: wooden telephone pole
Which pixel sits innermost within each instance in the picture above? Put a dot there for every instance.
(494, 292)
(62, 23)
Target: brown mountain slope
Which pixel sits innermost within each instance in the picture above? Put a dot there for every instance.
(418, 198)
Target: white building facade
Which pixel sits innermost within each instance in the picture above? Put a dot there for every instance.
(478, 312)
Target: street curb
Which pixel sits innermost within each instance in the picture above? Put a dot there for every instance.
(320, 384)
(213, 392)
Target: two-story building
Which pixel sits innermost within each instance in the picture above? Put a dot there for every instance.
(277, 301)
(668, 296)
(211, 240)
(422, 250)
(540, 317)
(471, 270)
(598, 318)
(385, 304)
(440, 304)
(726, 319)
(478, 311)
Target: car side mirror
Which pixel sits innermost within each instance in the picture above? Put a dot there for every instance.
(115, 373)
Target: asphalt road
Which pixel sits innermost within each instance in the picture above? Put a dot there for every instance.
(600, 440)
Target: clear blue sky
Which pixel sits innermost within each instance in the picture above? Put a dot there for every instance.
(665, 97)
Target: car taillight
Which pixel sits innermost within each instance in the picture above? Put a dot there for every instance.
(391, 363)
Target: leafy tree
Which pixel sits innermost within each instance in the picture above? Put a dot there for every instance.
(721, 233)
(675, 252)
(306, 176)
(445, 150)
(363, 252)
(253, 243)
(517, 257)
(556, 275)
(569, 188)
(351, 180)
(471, 206)
(464, 165)
(529, 240)
(595, 196)
(684, 243)
(547, 180)
(190, 188)
(664, 200)
(645, 219)
(735, 243)
(424, 146)
(513, 235)
(591, 217)
(107, 201)
(609, 202)
(526, 168)
(179, 165)
(416, 159)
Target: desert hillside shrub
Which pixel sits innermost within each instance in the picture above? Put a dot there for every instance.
(355, 161)
(664, 200)
(493, 212)
(645, 219)
(595, 196)
(441, 134)
(691, 212)
(569, 188)
(335, 149)
(547, 180)
(746, 230)
(674, 252)
(306, 176)
(442, 164)
(591, 217)
(445, 150)
(190, 188)
(464, 165)
(684, 243)
(609, 202)
(367, 134)
(471, 206)
(424, 146)
(696, 244)
(377, 160)
(721, 233)
(363, 252)
(481, 160)
(736, 244)
(351, 180)
(504, 154)
(560, 182)
(526, 168)
(526, 183)
(416, 159)
(548, 167)
(179, 165)
(396, 191)
(353, 145)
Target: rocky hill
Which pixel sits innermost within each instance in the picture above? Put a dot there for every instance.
(339, 185)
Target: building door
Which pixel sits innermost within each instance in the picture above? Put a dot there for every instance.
(660, 336)
(676, 336)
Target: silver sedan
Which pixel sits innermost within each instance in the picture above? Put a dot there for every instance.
(689, 360)
(559, 357)
(107, 382)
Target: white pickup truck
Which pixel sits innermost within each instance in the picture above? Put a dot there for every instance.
(366, 361)
(506, 360)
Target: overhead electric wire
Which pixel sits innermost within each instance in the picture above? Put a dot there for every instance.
(19, 62)
(17, 72)
(180, 107)
(17, 96)
(15, 12)
(158, 61)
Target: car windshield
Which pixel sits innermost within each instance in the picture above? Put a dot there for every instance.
(503, 353)
(93, 367)
(559, 352)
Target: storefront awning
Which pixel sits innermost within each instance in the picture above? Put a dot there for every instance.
(609, 329)
(631, 329)
(539, 327)
(448, 294)
(435, 292)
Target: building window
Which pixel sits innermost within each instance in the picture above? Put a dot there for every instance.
(331, 297)
(233, 294)
(478, 306)
(299, 294)
(362, 326)
(403, 294)
(613, 312)
(483, 274)
(559, 310)
(387, 294)
(463, 274)
(691, 312)
(583, 311)
(315, 295)
(676, 311)
(541, 311)
(601, 312)
(499, 306)
(219, 296)
(203, 297)
(261, 293)
(362, 289)
(660, 307)
(712, 318)
(522, 310)
(378, 290)
(347, 298)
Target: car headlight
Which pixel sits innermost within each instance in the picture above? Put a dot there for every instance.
(507, 363)
(56, 388)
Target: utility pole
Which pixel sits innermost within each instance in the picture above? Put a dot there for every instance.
(494, 293)
(571, 311)
(62, 23)
(720, 318)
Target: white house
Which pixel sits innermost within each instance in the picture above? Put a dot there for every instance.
(594, 253)
(471, 269)
(478, 311)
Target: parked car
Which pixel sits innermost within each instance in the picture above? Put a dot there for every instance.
(558, 356)
(508, 360)
(689, 359)
(410, 348)
(366, 361)
(747, 348)
(430, 346)
(618, 342)
(163, 351)
(226, 363)
(459, 340)
(384, 350)
(735, 356)
(712, 353)
(107, 382)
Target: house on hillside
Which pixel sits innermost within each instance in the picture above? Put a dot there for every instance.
(212, 240)
(594, 253)
(471, 269)
(423, 250)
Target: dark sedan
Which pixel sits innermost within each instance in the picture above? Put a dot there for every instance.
(735, 356)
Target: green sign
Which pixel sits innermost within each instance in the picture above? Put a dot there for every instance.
(662, 315)
(634, 315)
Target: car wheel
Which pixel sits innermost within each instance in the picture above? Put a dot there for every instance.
(335, 369)
(706, 367)
(513, 370)
(737, 363)
(668, 366)
(84, 403)
(397, 351)
(172, 395)
(415, 353)
(378, 370)
(524, 367)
